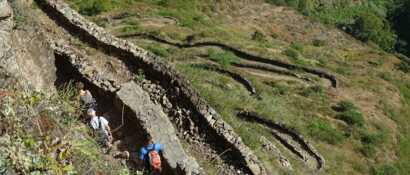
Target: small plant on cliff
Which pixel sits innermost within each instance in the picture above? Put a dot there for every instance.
(140, 76)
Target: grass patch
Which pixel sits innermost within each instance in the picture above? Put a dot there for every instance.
(95, 7)
(297, 46)
(223, 58)
(131, 26)
(158, 50)
(279, 88)
(370, 142)
(312, 90)
(323, 131)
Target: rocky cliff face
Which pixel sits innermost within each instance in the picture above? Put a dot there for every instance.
(24, 53)
(8, 66)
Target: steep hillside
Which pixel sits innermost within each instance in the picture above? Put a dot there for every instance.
(40, 128)
(358, 127)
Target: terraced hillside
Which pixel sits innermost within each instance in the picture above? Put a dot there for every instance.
(228, 87)
(213, 43)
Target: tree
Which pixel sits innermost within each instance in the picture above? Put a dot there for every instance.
(370, 27)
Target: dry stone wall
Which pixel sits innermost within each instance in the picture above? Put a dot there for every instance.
(158, 70)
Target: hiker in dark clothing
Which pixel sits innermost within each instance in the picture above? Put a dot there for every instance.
(149, 155)
(87, 101)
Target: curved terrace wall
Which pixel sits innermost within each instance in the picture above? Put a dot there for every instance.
(157, 70)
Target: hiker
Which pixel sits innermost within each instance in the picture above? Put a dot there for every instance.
(87, 100)
(101, 129)
(150, 156)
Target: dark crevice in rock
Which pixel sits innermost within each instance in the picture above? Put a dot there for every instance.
(240, 53)
(279, 128)
(131, 135)
(237, 77)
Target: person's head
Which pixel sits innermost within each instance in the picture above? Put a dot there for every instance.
(91, 112)
(79, 85)
(148, 139)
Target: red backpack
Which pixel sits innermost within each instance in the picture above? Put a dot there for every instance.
(154, 160)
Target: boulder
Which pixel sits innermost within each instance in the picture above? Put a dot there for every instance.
(5, 9)
(155, 122)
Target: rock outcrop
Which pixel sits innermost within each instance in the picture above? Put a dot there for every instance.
(156, 123)
(147, 114)
(8, 65)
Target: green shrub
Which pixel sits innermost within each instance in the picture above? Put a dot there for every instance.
(291, 53)
(368, 150)
(352, 117)
(93, 7)
(372, 139)
(404, 66)
(349, 113)
(386, 170)
(162, 2)
(322, 130)
(223, 58)
(370, 142)
(346, 106)
(258, 36)
(297, 46)
(318, 42)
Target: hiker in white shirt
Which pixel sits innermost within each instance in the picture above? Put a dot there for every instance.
(101, 129)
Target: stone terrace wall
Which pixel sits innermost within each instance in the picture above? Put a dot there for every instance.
(156, 69)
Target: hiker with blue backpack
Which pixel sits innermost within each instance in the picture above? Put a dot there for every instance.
(149, 154)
